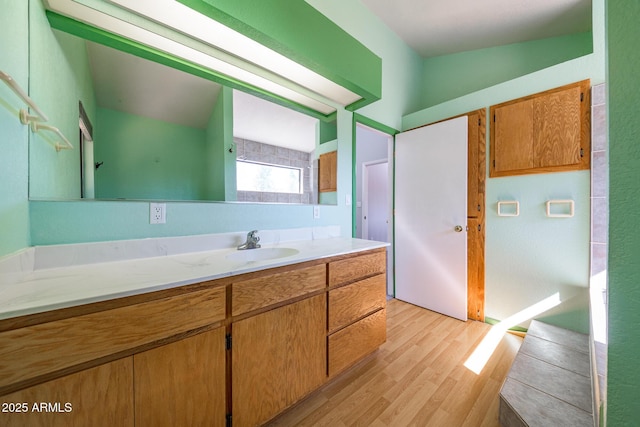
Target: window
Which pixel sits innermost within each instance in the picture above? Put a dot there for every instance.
(254, 176)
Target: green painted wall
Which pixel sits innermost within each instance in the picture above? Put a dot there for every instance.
(14, 163)
(623, 33)
(531, 257)
(147, 159)
(220, 163)
(450, 76)
(401, 66)
(59, 77)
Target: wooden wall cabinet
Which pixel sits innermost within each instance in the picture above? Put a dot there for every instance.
(542, 133)
(328, 172)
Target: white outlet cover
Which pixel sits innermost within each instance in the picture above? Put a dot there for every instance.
(316, 212)
(347, 199)
(157, 213)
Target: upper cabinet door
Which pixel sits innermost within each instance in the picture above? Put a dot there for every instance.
(542, 133)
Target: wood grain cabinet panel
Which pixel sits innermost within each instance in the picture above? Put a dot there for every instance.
(357, 267)
(541, 133)
(253, 294)
(352, 302)
(352, 343)
(100, 396)
(38, 350)
(277, 358)
(328, 172)
(182, 383)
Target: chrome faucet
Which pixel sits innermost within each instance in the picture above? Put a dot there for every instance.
(252, 241)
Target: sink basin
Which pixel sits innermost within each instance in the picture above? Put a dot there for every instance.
(261, 254)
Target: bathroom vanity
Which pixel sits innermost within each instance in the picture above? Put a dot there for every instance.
(239, 345)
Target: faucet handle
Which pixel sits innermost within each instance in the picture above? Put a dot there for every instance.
(252, 236)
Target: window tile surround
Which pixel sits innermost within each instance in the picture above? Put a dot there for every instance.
(266, 153)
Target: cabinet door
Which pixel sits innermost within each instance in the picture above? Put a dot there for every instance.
(327, 172)
(182, 383)
(100, 396)
(513, 127)
(557, 128)
(277, 358)
(541, 133)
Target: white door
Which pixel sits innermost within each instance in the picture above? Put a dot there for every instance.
(431, 217)
(375, 205)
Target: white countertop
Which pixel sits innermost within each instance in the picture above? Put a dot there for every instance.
(30, 291)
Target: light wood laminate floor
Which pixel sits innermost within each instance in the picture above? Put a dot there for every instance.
(417, 378)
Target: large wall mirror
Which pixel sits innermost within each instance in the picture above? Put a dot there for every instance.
(146, 131)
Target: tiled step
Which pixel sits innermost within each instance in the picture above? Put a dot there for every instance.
(549, 383)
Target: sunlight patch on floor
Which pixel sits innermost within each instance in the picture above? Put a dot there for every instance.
(489, 343)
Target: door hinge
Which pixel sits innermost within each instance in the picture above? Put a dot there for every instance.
(479, 227)
(227, 339)
(494, 117)
(479, 122)
(581, 96)
(494, 163)
(479, 208)
(229, 421)
(582, 152)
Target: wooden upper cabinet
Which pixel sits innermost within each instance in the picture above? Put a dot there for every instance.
(328, 172)
(541, 133)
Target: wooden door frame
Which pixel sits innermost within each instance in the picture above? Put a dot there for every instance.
(476, 178)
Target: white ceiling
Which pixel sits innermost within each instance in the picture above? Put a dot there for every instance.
(439, 27)
(134, 85)
(259, 120)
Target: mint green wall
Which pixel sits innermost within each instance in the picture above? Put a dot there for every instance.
(401, 66)
(220, 163)
(531, 257)
(623, 33)
(14, 163)
(59, 77)
(450, 76)
(147, 159)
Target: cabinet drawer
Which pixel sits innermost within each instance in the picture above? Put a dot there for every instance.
(272, 289)
(352, 343)
(351, 269)
(34, 351)
(349, 303)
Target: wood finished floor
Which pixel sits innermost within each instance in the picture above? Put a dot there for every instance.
(416, 378)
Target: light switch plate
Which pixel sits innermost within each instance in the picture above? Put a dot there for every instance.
(316, 212)
(347, 199)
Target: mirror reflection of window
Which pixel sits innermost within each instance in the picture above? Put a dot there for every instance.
(276, 147)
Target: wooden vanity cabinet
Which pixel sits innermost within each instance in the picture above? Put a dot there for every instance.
(278, 356)
(155, 353)
(245, 348)
(182, 383)
(100, 396)
(541, 133)
(357, 309)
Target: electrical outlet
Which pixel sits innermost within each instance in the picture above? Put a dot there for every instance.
(316, 211)
(157, 213)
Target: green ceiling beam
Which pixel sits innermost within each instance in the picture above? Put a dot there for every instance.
(295, 29)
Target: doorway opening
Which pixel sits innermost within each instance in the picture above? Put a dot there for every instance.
(373, 183)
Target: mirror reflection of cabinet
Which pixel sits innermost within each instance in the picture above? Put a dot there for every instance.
(328, 172)
(541, 133)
